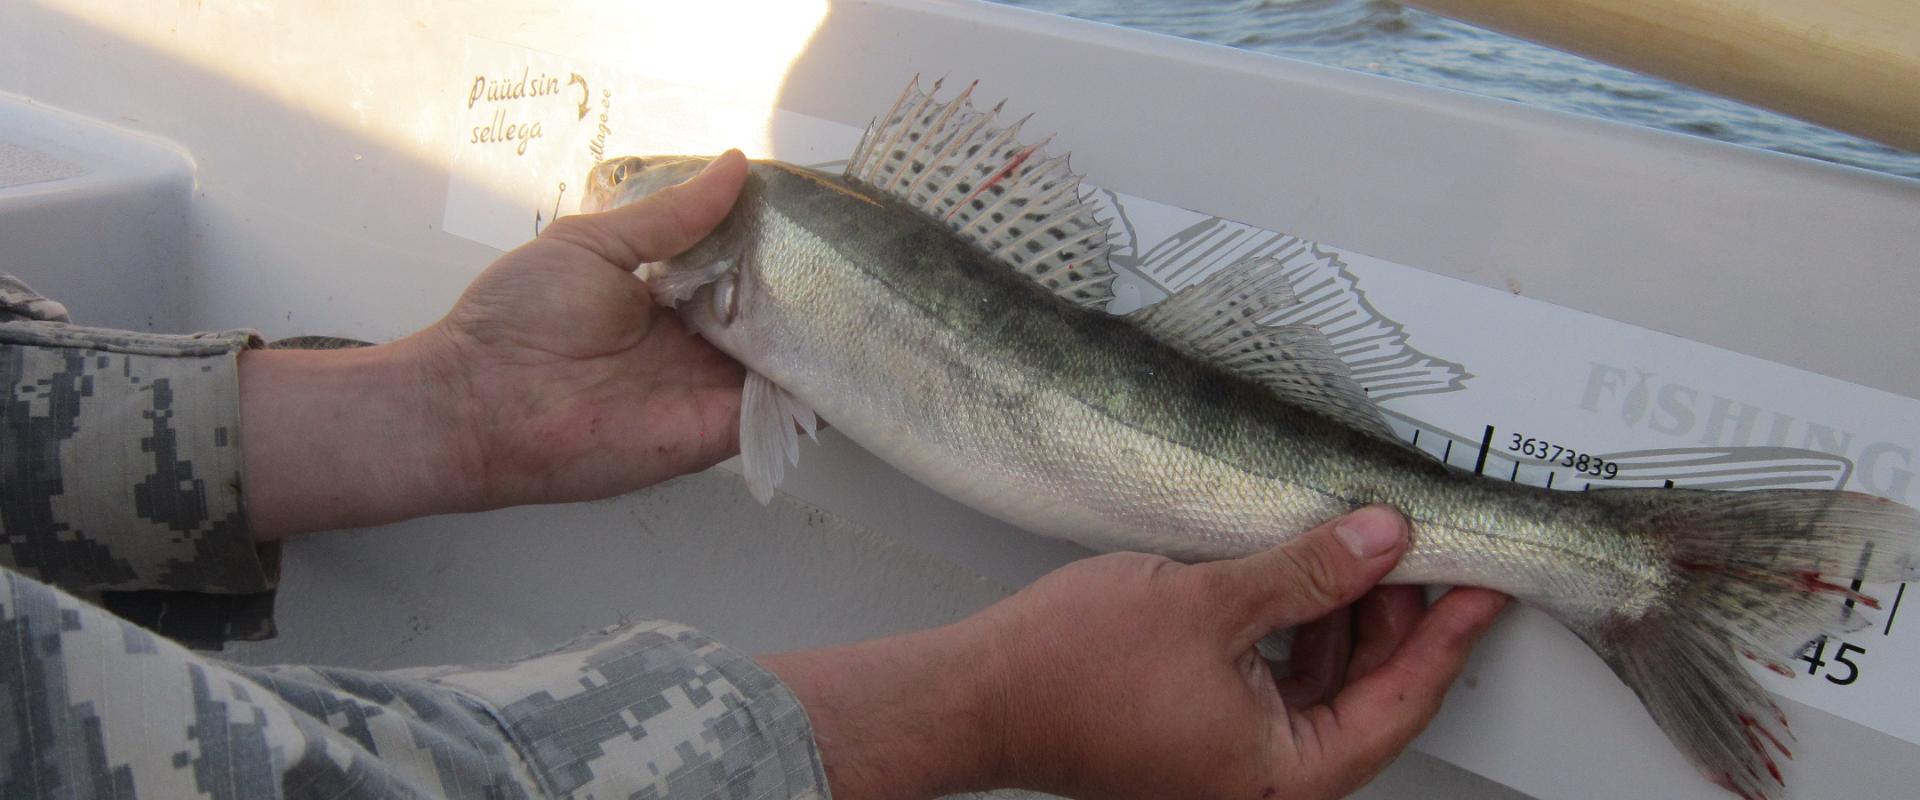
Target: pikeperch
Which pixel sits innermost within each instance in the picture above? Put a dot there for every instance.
(942, 303)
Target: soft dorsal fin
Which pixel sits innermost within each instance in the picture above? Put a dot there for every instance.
(1223, 320)
(1004, 196)
(1376, 348)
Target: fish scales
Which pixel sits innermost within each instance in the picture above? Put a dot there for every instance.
(1081, 426)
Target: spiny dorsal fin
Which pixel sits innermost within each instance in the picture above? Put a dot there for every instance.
(1223, 320)
(1004, 196)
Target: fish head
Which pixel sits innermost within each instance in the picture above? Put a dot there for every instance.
(709, 268)
(625, 179)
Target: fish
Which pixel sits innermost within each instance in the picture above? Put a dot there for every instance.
(943, 301)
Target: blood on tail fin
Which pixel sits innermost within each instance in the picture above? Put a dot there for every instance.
(1756, 575)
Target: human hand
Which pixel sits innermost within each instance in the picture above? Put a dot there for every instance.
(1131, 676)
(573, 384)
(554, 378)
(1134, 676)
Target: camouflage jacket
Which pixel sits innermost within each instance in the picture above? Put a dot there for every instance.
(120, 476)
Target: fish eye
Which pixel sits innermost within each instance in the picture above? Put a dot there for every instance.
(620, 172)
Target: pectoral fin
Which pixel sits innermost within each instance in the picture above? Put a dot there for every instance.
(672, 283)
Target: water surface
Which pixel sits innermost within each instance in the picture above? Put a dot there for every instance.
(1387, 38)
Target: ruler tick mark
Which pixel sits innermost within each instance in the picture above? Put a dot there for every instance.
(1866, 555)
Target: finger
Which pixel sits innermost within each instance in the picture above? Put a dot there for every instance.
(1380, 712)
(663, 224)
(1319, 661)
(1315, 573)
(1382, 620)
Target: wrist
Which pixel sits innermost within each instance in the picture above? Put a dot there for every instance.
(454, 462)
(1026, 748)
(913, 716)
(346, 438)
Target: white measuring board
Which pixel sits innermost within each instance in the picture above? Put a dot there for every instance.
(1489, 381)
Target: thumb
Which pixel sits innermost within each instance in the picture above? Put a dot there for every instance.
(662, 224)
(1317, 572)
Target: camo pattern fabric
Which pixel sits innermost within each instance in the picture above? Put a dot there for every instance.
(123, 461)
(120, 471)
(94, 706)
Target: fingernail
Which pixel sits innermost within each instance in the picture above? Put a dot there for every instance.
(1370, 531)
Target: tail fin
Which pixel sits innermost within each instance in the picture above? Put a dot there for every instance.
(1757, 575)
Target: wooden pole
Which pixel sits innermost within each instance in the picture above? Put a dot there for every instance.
(1853, 65)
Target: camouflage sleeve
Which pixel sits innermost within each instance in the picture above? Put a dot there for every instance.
(97, 707)
(121, 468)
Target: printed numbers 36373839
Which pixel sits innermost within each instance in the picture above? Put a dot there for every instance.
(1563, 456)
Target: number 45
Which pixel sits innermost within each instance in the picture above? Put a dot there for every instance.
(1814, 654)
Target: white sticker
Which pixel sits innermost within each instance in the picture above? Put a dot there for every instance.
(531, 124)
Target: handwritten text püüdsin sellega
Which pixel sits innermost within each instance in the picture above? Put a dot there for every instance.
(507, 91)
